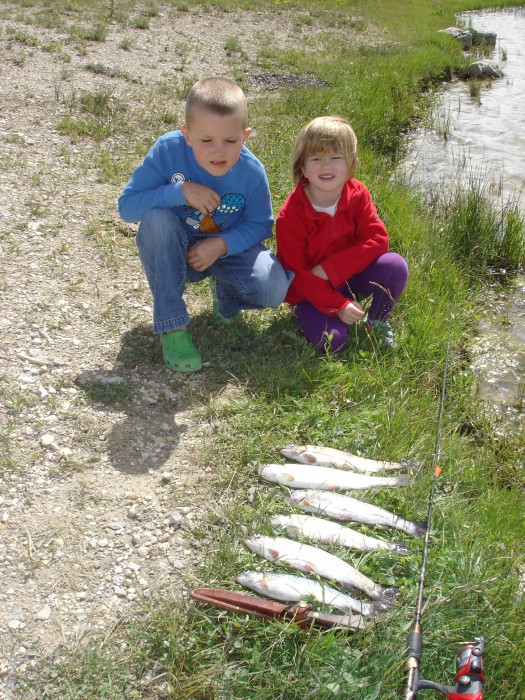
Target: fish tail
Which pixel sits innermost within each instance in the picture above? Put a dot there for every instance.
(400, 548)
(403, 480)
(410, 464)
(388, 597)
(420, 528)
(367, 609)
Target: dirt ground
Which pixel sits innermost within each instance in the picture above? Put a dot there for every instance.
(101, 484)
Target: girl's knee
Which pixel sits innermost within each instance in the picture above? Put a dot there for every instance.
(333, 340)
(397, 264)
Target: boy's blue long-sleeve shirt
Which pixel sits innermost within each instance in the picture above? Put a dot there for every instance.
(242, 219)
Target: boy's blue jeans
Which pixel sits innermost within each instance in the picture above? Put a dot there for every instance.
(253, 279)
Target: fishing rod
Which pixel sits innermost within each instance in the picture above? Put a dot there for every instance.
(469, 679)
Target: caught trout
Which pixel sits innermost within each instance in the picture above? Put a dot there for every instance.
(342, 507)
(328, 479)
(312, 560)
(329, 457)
(329, 532)
(293, 589)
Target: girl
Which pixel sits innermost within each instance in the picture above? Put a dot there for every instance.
(330, 235)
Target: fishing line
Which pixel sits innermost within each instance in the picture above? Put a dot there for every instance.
(469, 678)
(415, 641)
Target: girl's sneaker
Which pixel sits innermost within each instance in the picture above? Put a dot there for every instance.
(383, 331)
(179, 352)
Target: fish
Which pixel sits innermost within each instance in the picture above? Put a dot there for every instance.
(330, 457)
(312, 560)
(329, 532)
(342, 507)
(293, 589)
(304, 476)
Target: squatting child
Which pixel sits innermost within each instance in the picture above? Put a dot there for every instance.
(330, 235)
(203, 202)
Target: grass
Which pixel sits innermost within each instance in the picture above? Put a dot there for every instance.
(266, 387)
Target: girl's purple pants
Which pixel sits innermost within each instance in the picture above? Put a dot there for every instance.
(383, 280)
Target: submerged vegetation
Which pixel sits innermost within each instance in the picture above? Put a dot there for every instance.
(384, 406)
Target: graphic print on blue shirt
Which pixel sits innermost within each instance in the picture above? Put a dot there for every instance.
(229, 207)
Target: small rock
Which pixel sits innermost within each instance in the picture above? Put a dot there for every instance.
(16, 625)
(464, 37)
(48, 440)
(488, 69)
(175, 521)
(43, 614)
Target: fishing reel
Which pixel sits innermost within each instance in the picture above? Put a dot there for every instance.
(470, 677)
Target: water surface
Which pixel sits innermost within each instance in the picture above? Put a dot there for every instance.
(483, 138)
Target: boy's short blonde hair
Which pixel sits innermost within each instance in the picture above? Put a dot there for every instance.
(218, 95)
(324, 135)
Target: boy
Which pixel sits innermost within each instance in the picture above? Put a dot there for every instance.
(203, 202)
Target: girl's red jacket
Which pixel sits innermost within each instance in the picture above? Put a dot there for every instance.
(343, 245)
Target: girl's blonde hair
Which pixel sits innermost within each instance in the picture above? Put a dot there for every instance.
(325, 135)
(218, 95)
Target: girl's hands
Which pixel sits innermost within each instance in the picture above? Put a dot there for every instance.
(351, 313)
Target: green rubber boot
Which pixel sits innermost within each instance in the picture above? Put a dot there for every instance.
(216, 306)
(179, 352)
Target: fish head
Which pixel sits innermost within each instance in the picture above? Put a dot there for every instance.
(297, 495)
(254, 543)
(249, 577)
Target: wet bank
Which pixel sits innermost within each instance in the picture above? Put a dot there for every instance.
(478, 136)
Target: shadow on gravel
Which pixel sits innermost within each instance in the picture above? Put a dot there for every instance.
(152, 421)
(143, 402)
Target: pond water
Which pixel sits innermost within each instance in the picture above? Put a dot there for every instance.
(484, 137)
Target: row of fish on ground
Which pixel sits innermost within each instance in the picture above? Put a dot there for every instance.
(315, 482)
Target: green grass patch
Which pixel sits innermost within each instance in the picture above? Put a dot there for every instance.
(264, 387)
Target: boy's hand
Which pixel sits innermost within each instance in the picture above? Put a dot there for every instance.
(200, 197)
(351, 313)
(204, 253)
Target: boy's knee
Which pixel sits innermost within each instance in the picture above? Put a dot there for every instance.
(159, 230)
(276, 286)
(158, 220)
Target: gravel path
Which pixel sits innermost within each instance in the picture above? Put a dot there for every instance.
(101, 483)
